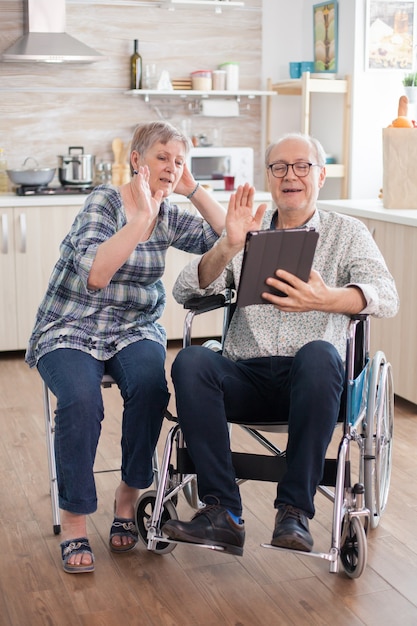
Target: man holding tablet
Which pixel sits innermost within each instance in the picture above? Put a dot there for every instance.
(281, 359)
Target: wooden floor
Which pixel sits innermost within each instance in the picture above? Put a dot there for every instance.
(190, 586)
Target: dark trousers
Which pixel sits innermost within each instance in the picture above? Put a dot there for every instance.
(304, 390)
(74, 377)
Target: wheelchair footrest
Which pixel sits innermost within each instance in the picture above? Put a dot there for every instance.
(163, 539)
(327, 556)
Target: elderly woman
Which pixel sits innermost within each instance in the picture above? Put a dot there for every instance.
(100, 315)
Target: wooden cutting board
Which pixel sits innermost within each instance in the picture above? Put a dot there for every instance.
(120, 166)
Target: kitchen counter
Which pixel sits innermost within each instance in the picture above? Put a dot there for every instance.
(371, 209)
(395, 233)
(12, 200)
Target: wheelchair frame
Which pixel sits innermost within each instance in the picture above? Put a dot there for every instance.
(367, 421)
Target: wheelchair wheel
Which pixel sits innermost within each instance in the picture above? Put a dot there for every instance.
(354, 548)
(378, 432)
(144, 509)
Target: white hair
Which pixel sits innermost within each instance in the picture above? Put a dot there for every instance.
(314, 143)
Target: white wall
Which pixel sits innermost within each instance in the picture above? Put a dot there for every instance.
(288, 36)
(282, 22)
(375, 104)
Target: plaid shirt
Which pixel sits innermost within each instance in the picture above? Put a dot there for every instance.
(102, 322)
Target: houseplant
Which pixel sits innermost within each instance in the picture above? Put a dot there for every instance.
(410, 86)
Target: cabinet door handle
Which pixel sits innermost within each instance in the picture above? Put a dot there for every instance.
(22, 222)
(4, 234)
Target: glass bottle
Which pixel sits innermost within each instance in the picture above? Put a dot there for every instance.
(136, 67)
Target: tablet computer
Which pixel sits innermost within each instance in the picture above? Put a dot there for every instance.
(268, 250)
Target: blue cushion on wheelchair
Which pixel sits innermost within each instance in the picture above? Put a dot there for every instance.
(357, 390)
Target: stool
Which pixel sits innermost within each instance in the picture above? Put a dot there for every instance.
(106, 381)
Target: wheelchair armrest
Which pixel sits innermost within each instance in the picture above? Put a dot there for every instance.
(361, 317)
(203, 304)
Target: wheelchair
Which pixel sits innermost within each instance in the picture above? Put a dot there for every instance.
(359, 494)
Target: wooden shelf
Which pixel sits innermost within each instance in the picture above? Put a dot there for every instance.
(304, 87)
(191, 93)
(217, 4)
(315, 85)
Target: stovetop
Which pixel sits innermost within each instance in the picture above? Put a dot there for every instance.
(53, 191)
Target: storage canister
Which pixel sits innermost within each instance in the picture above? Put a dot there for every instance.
(219, 80)
(201, 80)
(232, 75)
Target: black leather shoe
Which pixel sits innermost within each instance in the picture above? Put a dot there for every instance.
(291, 529)
(211, 525)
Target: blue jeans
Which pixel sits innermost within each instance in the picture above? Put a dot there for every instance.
(74, 377)
(304, 390)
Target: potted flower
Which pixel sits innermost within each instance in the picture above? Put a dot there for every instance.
(410, 86)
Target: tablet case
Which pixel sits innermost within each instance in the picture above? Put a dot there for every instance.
(268, 250)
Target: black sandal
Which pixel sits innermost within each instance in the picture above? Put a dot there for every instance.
(80, 545)
(123, 527)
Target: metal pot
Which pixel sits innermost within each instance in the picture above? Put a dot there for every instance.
(76, 169)
(31, 177)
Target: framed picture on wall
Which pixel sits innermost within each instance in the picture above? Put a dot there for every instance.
(325, 37)
(390, 34)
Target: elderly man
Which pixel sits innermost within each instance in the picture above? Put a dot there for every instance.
(282, 359)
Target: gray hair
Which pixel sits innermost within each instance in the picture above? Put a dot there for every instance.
(146, 135)
(314, 143)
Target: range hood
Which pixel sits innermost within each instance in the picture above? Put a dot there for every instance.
(45, 40)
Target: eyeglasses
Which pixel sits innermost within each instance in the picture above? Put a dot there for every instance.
(300, 169)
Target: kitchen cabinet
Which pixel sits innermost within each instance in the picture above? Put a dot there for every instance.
(397, 336)
(8, 315)
(30, 235)
(395, 233)
(30, 238)
(306, 87)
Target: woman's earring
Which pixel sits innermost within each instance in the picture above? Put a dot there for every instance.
(135, 172)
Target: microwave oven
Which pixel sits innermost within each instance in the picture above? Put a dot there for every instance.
(209, 165)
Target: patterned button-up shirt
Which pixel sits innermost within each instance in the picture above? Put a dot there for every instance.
(103, 321)
(346, 255)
